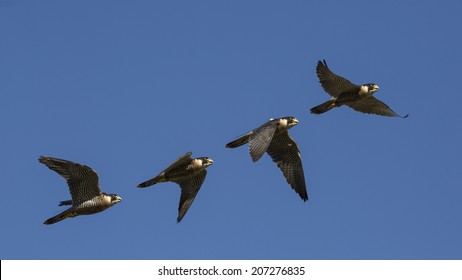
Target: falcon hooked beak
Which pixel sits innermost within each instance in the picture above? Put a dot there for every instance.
(207, 161)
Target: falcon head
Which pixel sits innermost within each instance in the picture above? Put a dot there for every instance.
(113, 198)
(287, 122)
(368, 89)
(206, 161)
(202, 162)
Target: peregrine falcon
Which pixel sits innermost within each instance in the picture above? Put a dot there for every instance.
(189, 174)
(343, 92)
(86, 194)
(273, 138)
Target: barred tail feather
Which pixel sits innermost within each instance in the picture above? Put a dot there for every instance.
(64, 215)
(65, 202)
(239, 141)
(324, 107)
(151, 182)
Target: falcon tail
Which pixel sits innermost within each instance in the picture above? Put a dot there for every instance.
(152, 181)
(65, 202)
(64, 215)
(238, 142)
(322, 108)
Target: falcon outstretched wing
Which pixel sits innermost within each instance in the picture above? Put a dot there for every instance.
(333, 84)
(371, 105)
(180, 162)
(81, 179)
(189, 189)
(285, 153)
(261, 138)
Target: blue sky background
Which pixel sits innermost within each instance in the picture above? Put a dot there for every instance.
(126, 87)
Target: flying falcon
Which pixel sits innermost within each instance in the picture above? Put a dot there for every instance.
(86, 194)
(343, 92)
(189, 174)
(273, 138)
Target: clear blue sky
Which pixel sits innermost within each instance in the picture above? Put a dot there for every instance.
(126, 87)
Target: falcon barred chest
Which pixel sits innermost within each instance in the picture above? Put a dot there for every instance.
(96, 204)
